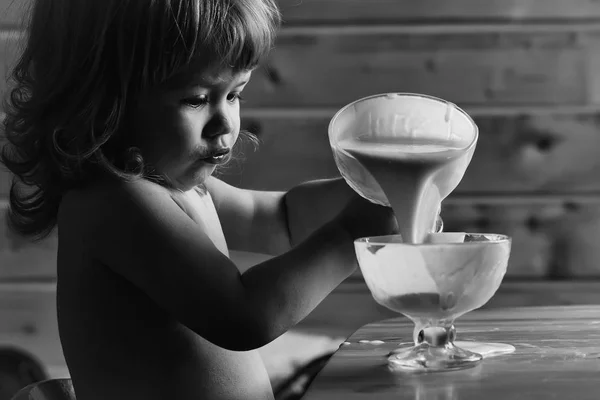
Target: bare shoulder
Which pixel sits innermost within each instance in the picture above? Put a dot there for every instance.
(135, 227)
(110, 208)
(97, 200)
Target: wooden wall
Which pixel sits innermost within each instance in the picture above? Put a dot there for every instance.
(527, 70)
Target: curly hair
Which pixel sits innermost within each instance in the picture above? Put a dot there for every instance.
(83, 65)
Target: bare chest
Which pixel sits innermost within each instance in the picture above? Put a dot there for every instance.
(200, 208)
(135, 342)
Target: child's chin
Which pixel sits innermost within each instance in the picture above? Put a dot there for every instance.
(202, 174)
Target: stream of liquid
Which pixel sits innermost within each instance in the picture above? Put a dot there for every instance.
(405, 168)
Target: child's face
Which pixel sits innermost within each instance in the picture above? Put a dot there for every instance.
(183, 125)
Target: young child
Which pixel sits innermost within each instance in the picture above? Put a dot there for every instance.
(120, 113)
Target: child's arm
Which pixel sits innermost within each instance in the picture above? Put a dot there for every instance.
(273, 222)
(311, 204)
(139, 231)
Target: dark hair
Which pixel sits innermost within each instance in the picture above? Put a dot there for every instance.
(82, 67)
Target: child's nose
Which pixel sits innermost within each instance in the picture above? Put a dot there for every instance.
(219, 124)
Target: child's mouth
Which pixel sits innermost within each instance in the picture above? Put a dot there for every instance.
(217, 156)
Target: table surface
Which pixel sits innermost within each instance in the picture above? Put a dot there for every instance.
(557, 357)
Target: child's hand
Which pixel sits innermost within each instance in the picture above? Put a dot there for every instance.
(361, 218)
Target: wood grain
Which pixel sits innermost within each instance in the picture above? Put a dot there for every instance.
(351, 304)
(28, 315)
(22, 259)
(553, 237)
(297, 12)
(550, 239)
(10, 44)
(557, 351)
(526, 153)
(390, 11)
(515, 153)
(386, 11)
(522, 66)
(12, 13)
(507, 64)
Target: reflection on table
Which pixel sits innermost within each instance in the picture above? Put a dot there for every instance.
(557, 357)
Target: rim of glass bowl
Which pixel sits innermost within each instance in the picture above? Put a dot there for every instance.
(405, 94)
(492, 238)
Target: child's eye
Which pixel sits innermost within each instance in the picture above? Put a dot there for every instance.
(195, 101)
(233, 97)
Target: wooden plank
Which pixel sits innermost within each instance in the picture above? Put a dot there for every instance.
(28, 315)
(438, 29)
(21, 259)
(297, 12)
(12, 13)
(552, 238)
(536, 153)
(10, 42)
(528, 153)
(481, 110)
(377, 11)
(509, 159)
(351, 306)
(555, 356)
(523, 67)
(5, 178)
(29, 323)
